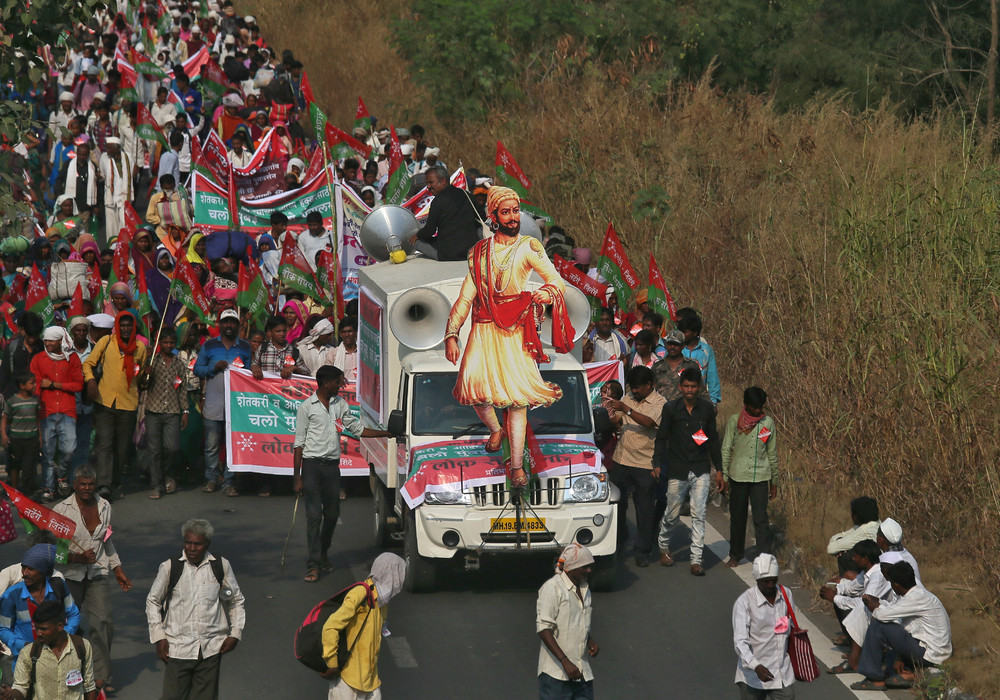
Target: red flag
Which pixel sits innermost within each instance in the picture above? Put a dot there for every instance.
(505, 161)
(307, 91)
(76, 304)
(581, 280)
(341, 143)
(40, 516)
(186, 289)
(326, 273)
(119, 263)
(659, 297)
(146, 127)
(132, 220)
(95, 285)
(362, 120)
(614, 266)
(315, 166)
(234, 202)
(11, 324)
(295, 272)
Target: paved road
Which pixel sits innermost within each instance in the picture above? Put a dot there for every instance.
(663, 632)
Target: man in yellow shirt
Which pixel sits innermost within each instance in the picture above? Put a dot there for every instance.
(116, 397)
(358, 679)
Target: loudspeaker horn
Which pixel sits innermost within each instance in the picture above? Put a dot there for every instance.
(578, 309)
(383, 223)
(419, 318)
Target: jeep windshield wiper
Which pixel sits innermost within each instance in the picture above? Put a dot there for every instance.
(575, 427)
(467, 430)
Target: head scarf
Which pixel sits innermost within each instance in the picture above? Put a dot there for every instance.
(121, 288)
(127, 348)
(41, 558)
(765, 566)
(266, 238)
(86, 242)
(301, 313)
(573, 557)
(62, 198)
(158, 286)
(192, 256)
(78, 320)
(61, 244)
(57, 333)
(497, 195)
(35, 254)
(642, 297)
(582, 255)
(388, 572)
(143, 261)
(321, 328)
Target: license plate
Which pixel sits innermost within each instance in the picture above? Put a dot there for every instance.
(510, 524)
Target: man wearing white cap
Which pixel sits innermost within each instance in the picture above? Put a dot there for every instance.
(562, 620)
(890, 541)
(762, 620)
(116, 171)
(60, 118)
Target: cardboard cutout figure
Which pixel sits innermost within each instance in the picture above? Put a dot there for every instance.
(499, 367)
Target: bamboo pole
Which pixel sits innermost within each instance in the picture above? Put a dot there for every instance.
(334, 237)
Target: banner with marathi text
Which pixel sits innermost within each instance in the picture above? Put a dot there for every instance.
(440, 466)
(211, 206)
(260, 423)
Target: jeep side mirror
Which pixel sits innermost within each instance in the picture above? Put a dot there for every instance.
(397, 422)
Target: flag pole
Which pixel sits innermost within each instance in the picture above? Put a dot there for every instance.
(334, 237)
(163, 317)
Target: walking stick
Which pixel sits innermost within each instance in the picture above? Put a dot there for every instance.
(284, 549)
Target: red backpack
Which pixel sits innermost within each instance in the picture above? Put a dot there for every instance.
(308, 643)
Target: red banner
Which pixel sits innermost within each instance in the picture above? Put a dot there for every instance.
(40, 516)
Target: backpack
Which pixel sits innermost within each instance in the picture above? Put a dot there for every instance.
(177, 568)
(308, 642)
(36, 652)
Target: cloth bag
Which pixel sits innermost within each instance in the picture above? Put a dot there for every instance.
(63, 278)
(800, 648)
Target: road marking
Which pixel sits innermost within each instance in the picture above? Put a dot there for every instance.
(824, 650)
(401, 652)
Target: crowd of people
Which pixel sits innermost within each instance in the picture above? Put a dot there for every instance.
(120, 373)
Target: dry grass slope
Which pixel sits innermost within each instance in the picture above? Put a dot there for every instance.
(847, 263)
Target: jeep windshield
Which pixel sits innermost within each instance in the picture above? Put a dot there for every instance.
(436, 412)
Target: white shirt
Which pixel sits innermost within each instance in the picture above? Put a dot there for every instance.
(924, 617)
(609, 348)
(310, 245)
(164, 113)
(870, 582)
(843, 541)
(756, 642)
(346, 362)
(195, 621)
(242, 160)
(567, 614)
(99, 541)
(316, 430)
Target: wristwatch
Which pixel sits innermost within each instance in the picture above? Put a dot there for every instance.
(629, 413)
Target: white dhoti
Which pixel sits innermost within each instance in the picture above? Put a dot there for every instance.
(114, 218)
(856, 623)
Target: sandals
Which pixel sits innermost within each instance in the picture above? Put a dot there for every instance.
(843, 667)
(491, 446)
(841, 640)
(517, 482)
(312, 576)
(898, 682)
(866, 685)
(155, 494)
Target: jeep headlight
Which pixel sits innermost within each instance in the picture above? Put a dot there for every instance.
(451, 497)
(586, 489)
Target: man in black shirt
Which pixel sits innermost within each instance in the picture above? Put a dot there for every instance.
(687, 445)
(452, 216)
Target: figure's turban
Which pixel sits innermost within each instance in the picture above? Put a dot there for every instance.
(496, 196)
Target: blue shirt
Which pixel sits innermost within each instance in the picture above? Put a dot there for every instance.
(191, 99)
(703, 354)
(16, 628)
(215, 388)
(170, 163)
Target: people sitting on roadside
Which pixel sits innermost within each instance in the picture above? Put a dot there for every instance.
(846, 596)
(890, 540)
(864, 515)
(912, 632)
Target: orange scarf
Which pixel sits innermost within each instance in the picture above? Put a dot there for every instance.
(127, 348)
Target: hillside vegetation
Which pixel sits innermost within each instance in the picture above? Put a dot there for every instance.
(845, 259)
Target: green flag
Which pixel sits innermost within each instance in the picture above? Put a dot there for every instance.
(251, 292)
(37, 299)
(509, 174)
(295, 272)
(613, 265)
(398, 187)
(317, 119)
(186, 289)
(146, 127)
(62, 546)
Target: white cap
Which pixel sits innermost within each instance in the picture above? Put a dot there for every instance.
(406, 149)
(765, 566)
(112, 141)
(229, 313)
(65, 96)
(250, 19)
(892, 531)
(101, 320)
(196, 29)
(100, 96)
